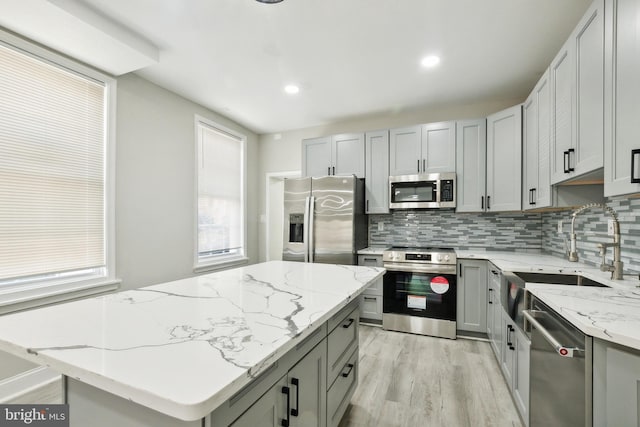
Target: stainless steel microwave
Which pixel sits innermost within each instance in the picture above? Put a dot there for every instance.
(424, 191)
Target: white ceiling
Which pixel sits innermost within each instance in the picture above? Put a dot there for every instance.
(351, 58)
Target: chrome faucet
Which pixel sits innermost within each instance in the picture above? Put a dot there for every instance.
(616, 267)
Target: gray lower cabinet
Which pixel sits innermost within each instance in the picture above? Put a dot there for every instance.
(472, 296)
(371, 298)
(311, 385)
(616, 385)
(494, 310)
(514, 363)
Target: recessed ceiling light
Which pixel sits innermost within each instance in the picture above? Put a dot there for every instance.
(269, 1)
(430, 61)
(291, 89)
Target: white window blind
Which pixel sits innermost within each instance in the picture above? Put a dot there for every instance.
(221, 204)
(52, 170)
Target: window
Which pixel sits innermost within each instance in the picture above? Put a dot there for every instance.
(221, 236)
(55, 203)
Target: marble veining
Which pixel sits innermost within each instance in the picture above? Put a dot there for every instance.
(184, 347)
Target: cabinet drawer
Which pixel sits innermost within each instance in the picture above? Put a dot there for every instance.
(371, 307)
(370, 260)
(340, 344)
(375, 288)
(340, 393)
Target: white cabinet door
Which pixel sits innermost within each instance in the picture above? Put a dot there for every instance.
(316, 156)
(308, 389)
(507, 362)
(472, 296)
(504, 160)
(530, 150)
(405, 151)
(439, 147)
(471, 165)
(589, 114)
(622, 129)
(542, 193)
(521, 374)
(562, 75)
(347, 155)
(377, 172)
(536, 115)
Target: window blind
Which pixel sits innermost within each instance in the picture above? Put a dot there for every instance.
(220, 193)
(52, 168)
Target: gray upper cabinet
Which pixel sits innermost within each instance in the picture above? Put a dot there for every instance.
(622, 92)
(439, 147)
(429, 148)
(377, 172)
(316, 156)
(577, 99)
(472, 296)
(405, 151)
(471, 165)
(335, 155)
(536, 132)
(504, 160)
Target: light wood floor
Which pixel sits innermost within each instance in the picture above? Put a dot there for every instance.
(412, 380)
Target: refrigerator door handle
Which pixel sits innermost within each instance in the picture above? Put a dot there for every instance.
(311, 216)
(305, 236)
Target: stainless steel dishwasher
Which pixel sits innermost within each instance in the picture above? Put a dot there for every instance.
(561, 369)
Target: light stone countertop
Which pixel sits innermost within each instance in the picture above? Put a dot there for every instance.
(611, 314)
(184, 347)
(373, 250)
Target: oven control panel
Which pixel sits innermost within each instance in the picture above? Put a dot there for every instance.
(420, 255)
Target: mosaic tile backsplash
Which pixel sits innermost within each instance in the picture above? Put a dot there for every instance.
(513, 231)
(517, 231)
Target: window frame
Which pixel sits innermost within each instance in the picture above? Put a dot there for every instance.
(33, 293)
(219, 261)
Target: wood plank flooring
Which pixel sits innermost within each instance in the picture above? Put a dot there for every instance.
(411, 380)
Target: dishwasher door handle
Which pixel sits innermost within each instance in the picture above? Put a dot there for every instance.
(564, 351)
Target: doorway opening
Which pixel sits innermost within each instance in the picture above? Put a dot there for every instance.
(274, 234)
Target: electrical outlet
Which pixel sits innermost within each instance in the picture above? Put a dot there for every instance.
(559, 226)
(381, 226)
(610, 227)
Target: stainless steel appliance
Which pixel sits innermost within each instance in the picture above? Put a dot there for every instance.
(560, 371)
(419, 291)
(324, 219)
(424, 191)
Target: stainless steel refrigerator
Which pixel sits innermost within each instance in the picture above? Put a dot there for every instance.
(324, 219)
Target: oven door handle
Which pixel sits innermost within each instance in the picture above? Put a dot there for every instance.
(438, 269)
(564, 351)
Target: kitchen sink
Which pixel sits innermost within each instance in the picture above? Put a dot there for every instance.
(560, 279)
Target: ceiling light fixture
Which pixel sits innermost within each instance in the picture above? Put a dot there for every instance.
(430, 61)
(268, 1)
(291, 89)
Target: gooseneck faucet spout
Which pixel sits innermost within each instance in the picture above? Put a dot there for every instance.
(616, 267)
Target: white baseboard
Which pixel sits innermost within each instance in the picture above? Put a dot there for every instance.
(35, 384)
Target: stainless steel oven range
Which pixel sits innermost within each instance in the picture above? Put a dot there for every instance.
(419, 294)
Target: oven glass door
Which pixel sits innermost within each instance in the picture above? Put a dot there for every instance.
(413, 192)
(430, 295)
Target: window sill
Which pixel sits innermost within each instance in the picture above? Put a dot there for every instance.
(221, 264)
(23, 300)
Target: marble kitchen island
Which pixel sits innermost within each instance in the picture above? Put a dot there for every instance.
(171, 354)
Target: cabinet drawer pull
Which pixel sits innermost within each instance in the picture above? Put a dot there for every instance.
(488, 202)
(328, 170)
(571, 150)
(349, 369)
(367, 205)
(490, 296)
(334, 170)
(635, 166)
(418, 165)
(296, 382)
(349, 323)
(482, 202)
(424, 165)
(285, 422)
(370, 260)
(370, 298)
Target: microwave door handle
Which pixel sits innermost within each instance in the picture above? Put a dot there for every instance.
(312, 215)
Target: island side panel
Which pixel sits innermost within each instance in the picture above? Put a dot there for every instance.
(90, 406)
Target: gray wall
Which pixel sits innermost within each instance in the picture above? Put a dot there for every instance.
(155, 219)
